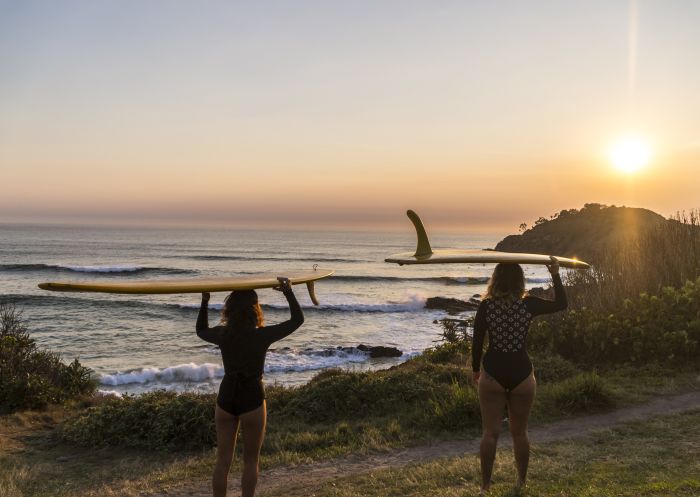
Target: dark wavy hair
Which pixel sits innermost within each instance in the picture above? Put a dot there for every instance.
(241, 309)
(507, 281)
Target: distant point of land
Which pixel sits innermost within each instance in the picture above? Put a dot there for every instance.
(586, 233)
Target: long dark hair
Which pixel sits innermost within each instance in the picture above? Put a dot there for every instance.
(507, 281)
(241, 309)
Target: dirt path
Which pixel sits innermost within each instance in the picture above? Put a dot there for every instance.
(336, 468)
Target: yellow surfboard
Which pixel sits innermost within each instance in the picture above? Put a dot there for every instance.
(193, 285)
(424, 254)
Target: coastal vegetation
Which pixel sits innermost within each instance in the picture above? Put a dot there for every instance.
(337, 412)
(32, 378)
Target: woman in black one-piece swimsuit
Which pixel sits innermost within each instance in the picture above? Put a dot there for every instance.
(243, 341)
(508, 381)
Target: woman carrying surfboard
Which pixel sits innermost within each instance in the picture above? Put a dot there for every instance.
(508, 379)
(243, 340)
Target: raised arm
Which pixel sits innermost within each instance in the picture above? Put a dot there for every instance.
(279, 331)
(478, 340)
(210, 335)
(537, 306)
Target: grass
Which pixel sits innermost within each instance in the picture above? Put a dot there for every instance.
(658, 457)
(35, 462)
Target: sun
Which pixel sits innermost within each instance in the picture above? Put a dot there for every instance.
(630, 154)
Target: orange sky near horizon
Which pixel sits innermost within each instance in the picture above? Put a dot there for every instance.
(477, 117)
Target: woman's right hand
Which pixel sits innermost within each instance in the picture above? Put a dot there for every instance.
(205, 297)
(553, 266)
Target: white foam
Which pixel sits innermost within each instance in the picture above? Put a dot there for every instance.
(181, 373)
(109, 393)
(281, 362)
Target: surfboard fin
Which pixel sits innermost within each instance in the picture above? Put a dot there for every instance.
(312, 292)
(423, 246)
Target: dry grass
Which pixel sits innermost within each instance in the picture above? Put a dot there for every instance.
(667, 254)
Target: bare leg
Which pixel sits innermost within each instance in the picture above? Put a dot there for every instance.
(226, 431)
(519, 404)
(492, 399)
(253, 426)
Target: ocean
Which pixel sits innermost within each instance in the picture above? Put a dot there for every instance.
(137, 343)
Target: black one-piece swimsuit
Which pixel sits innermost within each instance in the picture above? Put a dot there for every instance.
(243, 353)
(507, 322)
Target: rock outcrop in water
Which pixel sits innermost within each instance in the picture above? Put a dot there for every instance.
(452, 305)
(380, 351)
(374, 351)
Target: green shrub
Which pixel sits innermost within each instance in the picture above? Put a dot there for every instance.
(457, 409)
(584, 392)
(449, 353)
(349, 395)
(157, 420)
(31, 378)
(645, 329)
(550, 368)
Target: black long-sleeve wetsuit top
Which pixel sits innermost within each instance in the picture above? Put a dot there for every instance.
(243, 350)
(507, 322)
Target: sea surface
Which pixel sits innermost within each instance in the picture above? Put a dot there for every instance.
(136, 343)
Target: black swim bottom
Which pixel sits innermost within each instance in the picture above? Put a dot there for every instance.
(509, 369)
(239, 394)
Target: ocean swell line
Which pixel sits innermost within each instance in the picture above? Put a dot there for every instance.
(413, 305)
(102, 269)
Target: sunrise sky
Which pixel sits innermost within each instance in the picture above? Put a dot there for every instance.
(479, 115)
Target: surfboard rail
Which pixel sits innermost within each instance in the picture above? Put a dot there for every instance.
(425, 254)
(193, 285)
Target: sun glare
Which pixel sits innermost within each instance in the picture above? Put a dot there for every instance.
(630, 154)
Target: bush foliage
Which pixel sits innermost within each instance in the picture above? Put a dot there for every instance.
(647, 328)
(584, 392)
(153, 420)
(335, 409)
(31, 378)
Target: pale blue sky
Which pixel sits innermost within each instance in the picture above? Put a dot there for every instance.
(482, 114)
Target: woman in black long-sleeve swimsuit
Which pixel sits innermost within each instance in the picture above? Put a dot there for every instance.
(508, 381)
(243, 341)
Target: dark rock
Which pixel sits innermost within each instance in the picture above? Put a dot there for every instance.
(451, 305)
(380, 351)
(374, 351)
